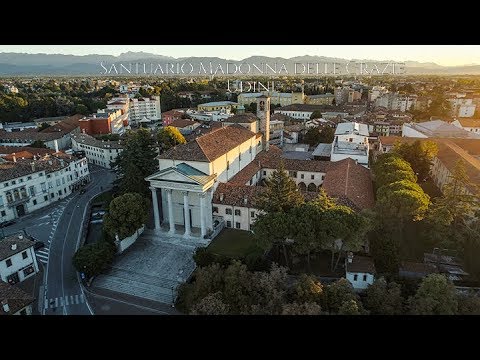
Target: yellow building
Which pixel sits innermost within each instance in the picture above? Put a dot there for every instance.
(277, 98)
(223, 106)
(323, 99)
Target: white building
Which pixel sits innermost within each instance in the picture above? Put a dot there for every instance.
(396, 101)
(14, 300)
(472, 125)
(98, 152)
(145, 110)
(351, 141)
(29, 184)
(461, 106)
(17, 259)
(360, 271)
(18, 126)
(11, 89)
(436, 128)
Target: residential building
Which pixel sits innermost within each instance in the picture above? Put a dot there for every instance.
(303, 112)
(18, 126)
(28, 184)
(185, 126)
(354, 95)
(50, 120)
(169, 116)
(376, 92)
(462, 106)
(472, 125)
(17, 259)
(58, 134)
(351, 141)
(209, 116)
(277, 98)
(396, 101)
(98, 152)
(119, 103)
(247, 120)
(436, 128)
(222, 106)
(14, 300)
(359, 271)
(322, 99)
(144, 110)
(381, 128)
(341, 95)
(10, 89)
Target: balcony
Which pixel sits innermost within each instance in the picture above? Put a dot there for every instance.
(18, 201)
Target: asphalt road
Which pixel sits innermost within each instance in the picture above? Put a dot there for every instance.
(63, 293)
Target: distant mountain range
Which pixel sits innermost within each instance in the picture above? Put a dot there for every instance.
(22, 64)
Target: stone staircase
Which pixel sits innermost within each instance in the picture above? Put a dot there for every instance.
(132, 283)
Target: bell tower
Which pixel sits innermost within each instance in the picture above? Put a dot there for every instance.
(263, 114)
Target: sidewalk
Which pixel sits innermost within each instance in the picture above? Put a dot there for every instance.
(107, 302)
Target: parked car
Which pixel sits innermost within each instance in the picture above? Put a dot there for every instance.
(83, 191)
(7, 223)
(38, 245)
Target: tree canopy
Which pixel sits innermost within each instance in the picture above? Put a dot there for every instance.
(93, 259)
(126, 213)
(169, 137)
(435, 296)
(418, 154)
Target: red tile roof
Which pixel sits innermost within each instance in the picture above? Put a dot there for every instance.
(181, 123)
(15, 297)
(347, 179)
(211, 146)
(236, 195)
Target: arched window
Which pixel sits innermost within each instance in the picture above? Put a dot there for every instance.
(262, 105)
(302, 186)
(312, 187)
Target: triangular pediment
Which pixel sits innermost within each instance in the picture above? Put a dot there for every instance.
(172, 175)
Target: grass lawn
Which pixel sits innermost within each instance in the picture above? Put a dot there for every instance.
(233, 243)
(105, 197)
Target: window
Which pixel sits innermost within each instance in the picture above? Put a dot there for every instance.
(312, 177)
(32, 190)
(58, 182)
(250, 149)
(252, 214)
(59, 192)
(45, 198)
(215, 209)
(323, 177)
(229, 224)
(237, 225)
(228, 211)
(14, 182)
(237, 213)
(293, 174)
(365, 277)
(3, 213)
(41, 174)
(355, 277)
(21, 180)
(9, 262)
(228, 165)
(302, 176)
(49, 176)
(52, 195)
(350, 140)
(5, 184)
(24, 255)
(29, 178)
(264, 173)
(34, 202)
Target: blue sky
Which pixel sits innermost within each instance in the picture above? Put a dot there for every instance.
(440, 54)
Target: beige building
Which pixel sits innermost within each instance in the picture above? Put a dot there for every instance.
(98, 152)
(276, 98)
(472, 125)
(222, 106)
(322, 99)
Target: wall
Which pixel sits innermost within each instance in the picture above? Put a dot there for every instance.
(360, 284)
(245, 219)
(19, 263)
(124, 244)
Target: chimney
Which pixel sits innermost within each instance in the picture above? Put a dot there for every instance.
(56, 145)
(20, 236)
(14, 158)
(14, 247)
(33, 166)
(350, 257)
(221, 197)
(5, 306)
(245, 200)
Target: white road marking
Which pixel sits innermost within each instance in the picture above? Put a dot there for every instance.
(56, 302)
(42, 257)
(43, 252)
(76, 299)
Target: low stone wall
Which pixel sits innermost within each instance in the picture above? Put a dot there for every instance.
(124, 244)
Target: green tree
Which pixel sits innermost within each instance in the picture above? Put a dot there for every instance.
(237, 287)
(281, 193)
(390, 168)
(126, 214)
(440, 106)
(93, 259)
(382, 298)
(312, 137)
(136, 162)
(468, 304)
(302, 309)
(435, 296)
(308, 290)
(212, 304)
(317, 114)
(349, 307)
(43, 126)
(337, 293)
(169, 137)
(38, 144)
(418, 154)
(327, 135)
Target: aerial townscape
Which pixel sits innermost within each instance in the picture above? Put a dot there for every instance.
(327, 195)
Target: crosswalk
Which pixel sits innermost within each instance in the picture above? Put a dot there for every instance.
(53, 219)
(66, 300)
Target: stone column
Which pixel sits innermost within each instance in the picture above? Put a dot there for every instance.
(156, 215)
(202, 214)
(186, 213)
(170, 212)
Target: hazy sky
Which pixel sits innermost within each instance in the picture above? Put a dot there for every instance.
(440, 54)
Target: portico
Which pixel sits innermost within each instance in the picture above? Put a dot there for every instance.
(184, 194)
